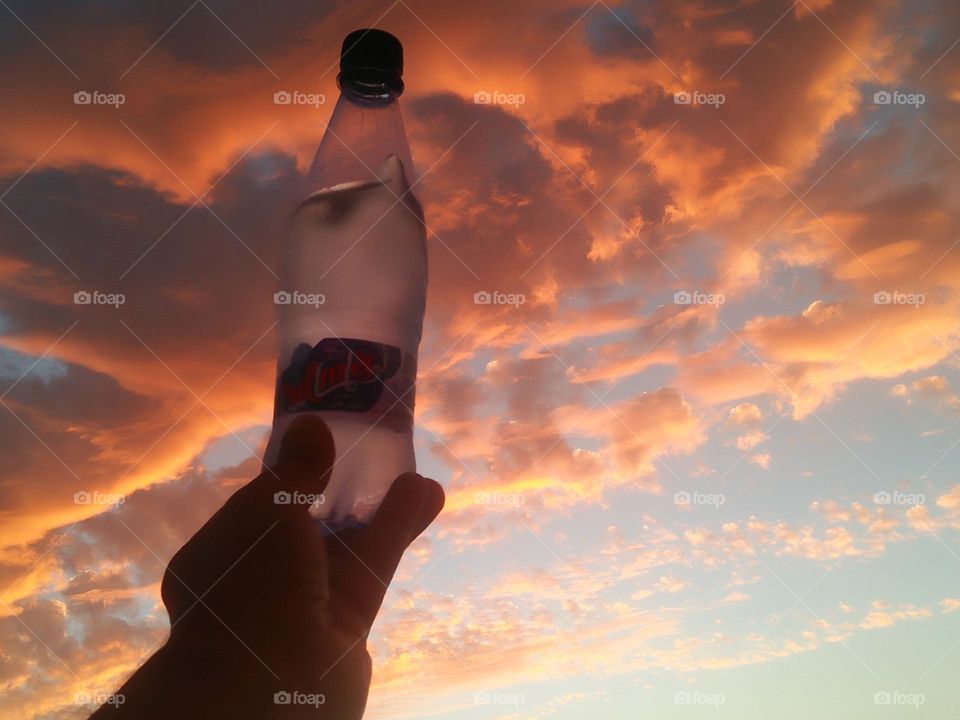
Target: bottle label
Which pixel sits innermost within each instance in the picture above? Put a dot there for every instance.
(347, 375)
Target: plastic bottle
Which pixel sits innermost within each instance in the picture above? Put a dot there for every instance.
(353, 293)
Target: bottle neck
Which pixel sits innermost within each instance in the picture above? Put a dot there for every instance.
(363, 130)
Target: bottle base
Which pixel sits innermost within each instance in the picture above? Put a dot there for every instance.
(335, 526)
(368, 459)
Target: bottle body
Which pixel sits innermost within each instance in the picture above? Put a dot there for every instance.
(353, 296)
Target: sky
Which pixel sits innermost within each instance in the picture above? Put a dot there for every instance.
(704, 465)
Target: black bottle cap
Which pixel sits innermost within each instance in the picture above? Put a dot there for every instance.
(371, 65)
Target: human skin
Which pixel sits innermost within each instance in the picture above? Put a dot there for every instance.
(262, 600)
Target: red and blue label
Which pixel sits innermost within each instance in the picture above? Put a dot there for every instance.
(342, 374)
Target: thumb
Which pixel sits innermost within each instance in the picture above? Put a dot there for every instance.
(300, 474)
(306, 457)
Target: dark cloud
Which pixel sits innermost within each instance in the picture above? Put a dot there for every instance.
(616, 33)
(209, 34)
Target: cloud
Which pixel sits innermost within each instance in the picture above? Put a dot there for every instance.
(761, 460)
(143, 389)
(950, 604)
(670, 584)
(797, 199)
(883, 619)
(810, 363)
(615, 33)
(745, 414)
(934, 388)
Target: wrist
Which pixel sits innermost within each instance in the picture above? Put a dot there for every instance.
(219, 677)
(184, 679)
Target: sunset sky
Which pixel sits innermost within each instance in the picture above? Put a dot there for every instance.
(708, 467)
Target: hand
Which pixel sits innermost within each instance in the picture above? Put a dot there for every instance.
(262, 601)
